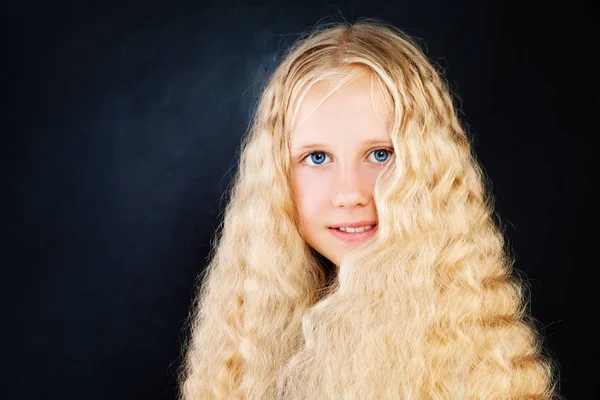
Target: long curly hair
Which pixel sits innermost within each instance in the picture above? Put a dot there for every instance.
(429, 308)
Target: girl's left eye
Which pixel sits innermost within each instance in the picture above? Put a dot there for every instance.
(378, 153)
(318, 156)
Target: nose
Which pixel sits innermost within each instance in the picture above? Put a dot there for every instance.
(351, 187)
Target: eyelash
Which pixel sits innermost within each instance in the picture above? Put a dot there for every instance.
(391, 152)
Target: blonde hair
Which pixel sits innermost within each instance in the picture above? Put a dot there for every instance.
(430, 308)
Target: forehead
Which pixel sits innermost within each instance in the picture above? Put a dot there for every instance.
(357, 107)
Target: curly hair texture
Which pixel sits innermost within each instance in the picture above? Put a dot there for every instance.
(429, 308)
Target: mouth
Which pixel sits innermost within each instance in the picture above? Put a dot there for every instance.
(365, 223)
(349, 236)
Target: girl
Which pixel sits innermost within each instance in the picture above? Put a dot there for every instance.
(357, 129)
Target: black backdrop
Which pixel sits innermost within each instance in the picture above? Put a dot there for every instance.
(121, 127)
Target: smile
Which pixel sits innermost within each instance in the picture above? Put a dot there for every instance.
(359, 234)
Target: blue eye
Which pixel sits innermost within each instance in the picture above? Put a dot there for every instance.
(381, 151)
(319, 159)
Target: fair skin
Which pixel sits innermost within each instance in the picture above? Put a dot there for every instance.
(337, 154)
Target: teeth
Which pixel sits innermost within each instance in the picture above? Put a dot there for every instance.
(355, 230)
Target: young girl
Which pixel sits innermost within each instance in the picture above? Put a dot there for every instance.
(357, 129)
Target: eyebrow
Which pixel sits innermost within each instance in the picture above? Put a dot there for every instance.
(307, 146)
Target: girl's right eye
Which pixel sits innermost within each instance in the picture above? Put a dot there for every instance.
(317, 157)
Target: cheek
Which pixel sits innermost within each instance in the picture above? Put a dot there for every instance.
(310, 192)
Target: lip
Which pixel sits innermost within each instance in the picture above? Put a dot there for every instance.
(353, 237)
(354, 224)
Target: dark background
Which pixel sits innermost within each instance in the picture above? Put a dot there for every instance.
(119, 136)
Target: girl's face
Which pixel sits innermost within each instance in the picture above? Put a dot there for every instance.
(336, 156)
